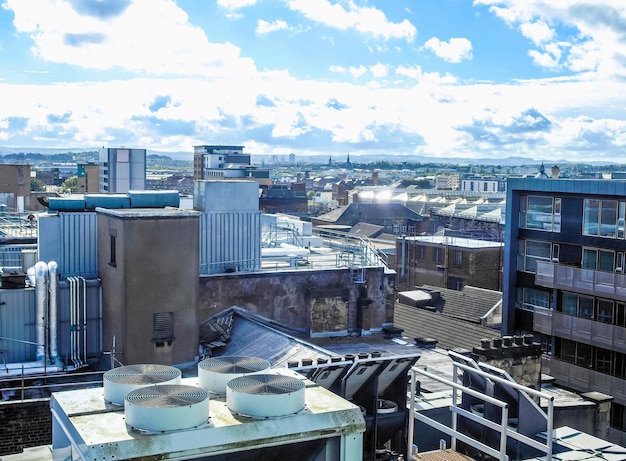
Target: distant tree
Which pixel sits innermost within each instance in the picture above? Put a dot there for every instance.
(70, 185)
(36, 185)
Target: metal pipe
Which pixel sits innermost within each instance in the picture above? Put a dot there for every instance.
(84, 361)
(53, 309)
(41, 292)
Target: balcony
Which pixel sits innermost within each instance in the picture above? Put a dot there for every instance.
(583, 281)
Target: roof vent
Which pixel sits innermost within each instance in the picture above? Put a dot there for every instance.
(215, 372)
(265, 396)
(118, 382)
(169, 407)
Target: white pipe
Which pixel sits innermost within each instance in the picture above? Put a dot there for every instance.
(41, 297)
(53, 309)
(72, 321)
(84, 325)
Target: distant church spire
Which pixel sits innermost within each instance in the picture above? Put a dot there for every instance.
(330, 160)
(348, 161)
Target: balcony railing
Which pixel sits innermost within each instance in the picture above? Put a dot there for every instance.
(584, 281)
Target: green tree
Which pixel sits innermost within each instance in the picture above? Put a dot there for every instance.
(36, 185)
(70, 185)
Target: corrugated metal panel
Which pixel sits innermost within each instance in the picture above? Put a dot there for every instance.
(17, 325)
(79, 244)
(94, 321)
(230, 241)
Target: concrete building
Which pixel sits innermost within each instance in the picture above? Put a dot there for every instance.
(483, 184)
(284, 198)
(148, 263)
(122, 169)
(226, 162)
(448, 262)
(88, 178)
(15, 187)
(564, 281)
(447, 182)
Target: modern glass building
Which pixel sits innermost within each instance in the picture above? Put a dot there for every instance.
(564, 281)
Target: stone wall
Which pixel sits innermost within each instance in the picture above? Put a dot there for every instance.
(24, 424)
(319, 303)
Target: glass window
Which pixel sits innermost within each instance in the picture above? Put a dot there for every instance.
(437, 254)
(522, 211)
(585, 307)
(458, 258)
(536, 251)
(605, 310)
(583, 355)
(608, 218)
(567, 350)
(570, 303)
(539, 215)
(590, 259)
(620, 314)
(420, 252)
(536, 298)
(603, 360)
(591, 217)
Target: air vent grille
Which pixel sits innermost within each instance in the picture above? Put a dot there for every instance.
(215, 372)
(120, 381)
(166, 407)
(265, 395)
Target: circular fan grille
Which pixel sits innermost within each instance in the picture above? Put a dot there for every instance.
(120, 381)
(265, 395)
(166, 407)
(234, 364)
(167, 396)
(142, 374)
(215, 372)
(265, 384)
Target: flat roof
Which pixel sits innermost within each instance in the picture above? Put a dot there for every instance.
(461, 242)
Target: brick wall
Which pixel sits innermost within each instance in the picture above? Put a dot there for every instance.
(24, 424)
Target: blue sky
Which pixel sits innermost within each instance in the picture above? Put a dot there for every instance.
(541, 79)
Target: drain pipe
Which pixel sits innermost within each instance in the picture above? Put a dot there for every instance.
(41, 292)
(53, 310)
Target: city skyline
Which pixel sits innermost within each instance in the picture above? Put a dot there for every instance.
(448, 78)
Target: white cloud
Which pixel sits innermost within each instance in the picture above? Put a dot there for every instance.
(455, 50)
(264, 27)
(235, 4)
(379, 70)
(366, 20)
(133, 40)
(539, 32)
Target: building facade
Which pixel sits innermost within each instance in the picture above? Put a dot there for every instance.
(226, 162)
(15, 187)
(564, 281)
(122, 169)
(448, 262)
(88, 178)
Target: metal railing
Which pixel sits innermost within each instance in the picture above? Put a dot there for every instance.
(46, 383)
(502, 427)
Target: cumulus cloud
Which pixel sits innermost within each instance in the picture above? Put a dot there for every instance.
(538, 32)
(235, 4)
(367, 20)
(131, 39)
(379, 70)
(454, 50)
(264, 27)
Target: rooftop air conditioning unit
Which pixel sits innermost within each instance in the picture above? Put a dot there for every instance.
(215, 372)
(118, 382)
(265, 396)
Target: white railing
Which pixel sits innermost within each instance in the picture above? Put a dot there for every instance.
(502, 427)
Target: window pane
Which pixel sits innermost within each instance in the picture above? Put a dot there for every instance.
(606, 260)
(603, 360)
(536, 251)
(608, 219)
(583, 355)
(605, 311)
(590, 217)
(570, 303)
(585, 307)
(536, 298)
(590, 259)
(539, 215)
(568, 351)
(522, 212)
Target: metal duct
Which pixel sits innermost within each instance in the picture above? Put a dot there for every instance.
(53, 309)
(41, 299)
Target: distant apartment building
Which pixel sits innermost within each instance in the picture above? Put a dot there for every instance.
(88, 180)
(49, 176)
(122, 169)
(226, 162)
(284, 198)
(15, 187)
(564, 281)
(483, 184)
(448, 262)
(447, 182)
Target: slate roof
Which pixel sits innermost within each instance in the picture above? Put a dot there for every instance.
(367, 230)
(469, 304)
(450, 332)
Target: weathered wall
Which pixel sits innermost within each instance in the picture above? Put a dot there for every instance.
(24, 424)
(315, 302)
